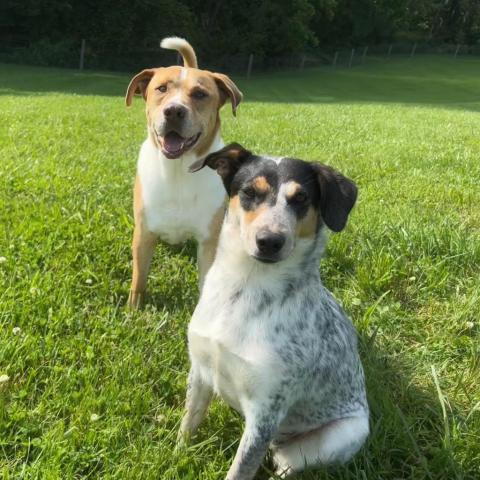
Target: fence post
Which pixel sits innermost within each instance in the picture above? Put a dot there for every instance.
(250, 64)
(364, 54)
(179, 59)
(82, 55)
(413, 50)
(302, 62)
(335, 58)
(351, 58)
(456, 51)
(389, 50)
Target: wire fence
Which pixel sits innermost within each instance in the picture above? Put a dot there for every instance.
(86, 56)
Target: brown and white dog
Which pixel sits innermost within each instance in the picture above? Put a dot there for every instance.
(183, 123)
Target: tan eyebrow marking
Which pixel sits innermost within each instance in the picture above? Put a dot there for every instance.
(261, 184)
(292, 188)
(250, 216)
(234, 203)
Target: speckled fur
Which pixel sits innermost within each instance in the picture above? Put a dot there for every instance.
(272, 341)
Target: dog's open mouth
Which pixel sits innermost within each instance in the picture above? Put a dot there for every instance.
(174, 145)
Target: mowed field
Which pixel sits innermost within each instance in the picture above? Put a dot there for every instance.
(89, 390)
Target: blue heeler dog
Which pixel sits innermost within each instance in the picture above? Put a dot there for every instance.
(266, 335)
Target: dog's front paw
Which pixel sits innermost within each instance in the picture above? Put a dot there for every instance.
(282, 473)
(183, 439)
(135, 300)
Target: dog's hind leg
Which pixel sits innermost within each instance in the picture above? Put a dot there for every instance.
(336, 442)
(199, 396)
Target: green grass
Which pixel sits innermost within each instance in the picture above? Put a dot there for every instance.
(96, 392)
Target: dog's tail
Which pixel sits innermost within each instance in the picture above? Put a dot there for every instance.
(182, 46)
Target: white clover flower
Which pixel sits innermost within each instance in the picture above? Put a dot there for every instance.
(160, 418)
(94, 417)
(34, 291)
(16, 330)
(4, 378)
(88, 281)
(3, 259)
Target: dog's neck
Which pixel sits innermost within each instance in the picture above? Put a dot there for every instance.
(179, 166)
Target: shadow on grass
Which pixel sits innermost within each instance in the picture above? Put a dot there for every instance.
(181, 292)
(424, 80)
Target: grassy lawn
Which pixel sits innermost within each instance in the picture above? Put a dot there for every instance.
(96, 392)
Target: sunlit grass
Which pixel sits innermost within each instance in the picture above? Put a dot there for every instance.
(93, 391)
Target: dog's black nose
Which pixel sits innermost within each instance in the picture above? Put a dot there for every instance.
(269, 243)
(175, 111)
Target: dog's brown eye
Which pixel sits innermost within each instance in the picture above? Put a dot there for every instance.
(299, 197)
(162, 88)
(199, 94)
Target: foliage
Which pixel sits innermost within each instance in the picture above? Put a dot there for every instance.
(217, 29)
(96, 392)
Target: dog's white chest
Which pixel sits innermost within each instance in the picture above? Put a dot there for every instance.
(177, 205)
(232, 352)
(233, 374)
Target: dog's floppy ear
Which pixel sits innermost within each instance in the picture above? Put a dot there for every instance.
(226, 162)
(228, 90)
(139, 84)
(337, 196)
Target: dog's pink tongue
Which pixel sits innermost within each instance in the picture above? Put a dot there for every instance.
(173, 142)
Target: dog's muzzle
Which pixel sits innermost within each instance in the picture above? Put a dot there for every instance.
(170, 137)
(269, 246)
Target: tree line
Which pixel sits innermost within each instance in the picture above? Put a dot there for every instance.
(218, 28)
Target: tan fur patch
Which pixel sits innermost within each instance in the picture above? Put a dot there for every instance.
(216, 225)
(307, 226)
(143, 246)
(234, 203)
(292, 188)
(249, 216)
(261, 184)
(209, 246)
(203, 146)
(254, 214)
(137, 201)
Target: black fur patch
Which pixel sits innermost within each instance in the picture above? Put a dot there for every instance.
(289, 169)
(242, 183)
